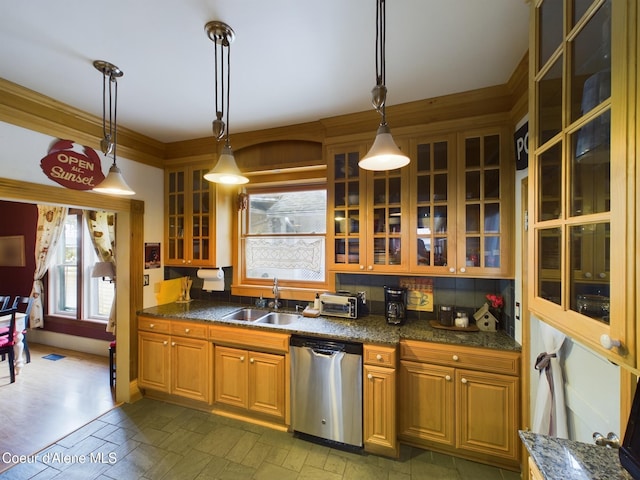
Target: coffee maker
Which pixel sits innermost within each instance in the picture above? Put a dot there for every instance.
(395, 301)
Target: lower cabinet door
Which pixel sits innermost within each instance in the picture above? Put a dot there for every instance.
(231, 376)
(267, 384)
(427, 402)
(380, 410)
(487, 413)
(190, 369)
(154, 361)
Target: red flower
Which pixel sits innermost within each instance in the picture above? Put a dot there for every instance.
(496, 300)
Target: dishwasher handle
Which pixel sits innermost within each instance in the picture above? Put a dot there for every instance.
(324, 351)
(325, 345)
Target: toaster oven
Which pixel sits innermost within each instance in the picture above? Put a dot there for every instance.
(342, 304)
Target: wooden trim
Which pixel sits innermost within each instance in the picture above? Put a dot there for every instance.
(34, 111)
(78, 328)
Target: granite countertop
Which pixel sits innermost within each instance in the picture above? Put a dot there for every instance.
(370, 329)
(570, 460)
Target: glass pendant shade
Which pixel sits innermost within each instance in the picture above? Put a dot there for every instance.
(226, 170)
(114, 183)
(384, 153)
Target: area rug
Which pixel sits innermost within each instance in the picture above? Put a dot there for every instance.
(53, 356)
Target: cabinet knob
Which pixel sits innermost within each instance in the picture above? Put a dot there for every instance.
(378, 357)
(251, 360)
(455, 358)
(608, 343)
(361, 267)
(602, 275)
(452, 270)
(464, 380)
(173, 344)
(187, 330)
(463, 270)
(447, 378)
(152, 325)
(369, 376)
(165, 343)
(587, 275)
(242, 358)
(370, 267)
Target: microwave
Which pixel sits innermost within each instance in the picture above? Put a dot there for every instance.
(343, 304)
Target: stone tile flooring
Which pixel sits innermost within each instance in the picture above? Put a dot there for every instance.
(154, 440)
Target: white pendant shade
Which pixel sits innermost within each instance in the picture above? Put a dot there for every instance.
(384, 153)
(114, 184)
(226, 171)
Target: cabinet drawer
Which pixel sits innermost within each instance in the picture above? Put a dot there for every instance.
(383, 356)
(154, 325)
(497, 361)
(261, 340)
(184, 329)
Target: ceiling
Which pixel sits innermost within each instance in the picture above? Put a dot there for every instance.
(292, 61)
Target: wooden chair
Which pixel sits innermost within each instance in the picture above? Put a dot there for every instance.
(23, 305)
(4, 301)
(8, 339)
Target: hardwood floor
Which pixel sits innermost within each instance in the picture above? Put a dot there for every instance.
(51, 399)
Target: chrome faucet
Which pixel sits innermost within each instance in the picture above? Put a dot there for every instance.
(276, 294)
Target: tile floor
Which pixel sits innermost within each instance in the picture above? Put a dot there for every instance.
(154, 440)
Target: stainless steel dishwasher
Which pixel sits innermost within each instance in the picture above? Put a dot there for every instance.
(326, 390)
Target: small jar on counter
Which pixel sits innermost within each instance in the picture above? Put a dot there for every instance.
(445, 315)
(462, 320)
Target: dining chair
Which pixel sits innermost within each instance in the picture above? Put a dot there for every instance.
(23, 305)
(8, 339)
(4, 301)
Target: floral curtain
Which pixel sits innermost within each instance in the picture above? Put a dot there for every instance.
(49, 230)
(102, 231)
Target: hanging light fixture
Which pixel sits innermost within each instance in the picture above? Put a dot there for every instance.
(226, 170)
(114, 183)
(384, 153)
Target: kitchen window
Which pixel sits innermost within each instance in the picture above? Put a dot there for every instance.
(284, 236)
(72, 291)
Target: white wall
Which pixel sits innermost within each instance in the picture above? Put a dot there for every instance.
(20, 153)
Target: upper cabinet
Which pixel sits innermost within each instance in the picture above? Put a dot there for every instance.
(582, 162)
(461, 204)
(368, 215)
(197, 219)
(449, 212)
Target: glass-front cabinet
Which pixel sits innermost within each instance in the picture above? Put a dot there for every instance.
(583, 118)
(368, 216)
(195, 210)
(461, 199)
(449, 212)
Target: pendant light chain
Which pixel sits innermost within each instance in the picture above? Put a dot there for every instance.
(226, 43)
(114, 133)
(381, 68)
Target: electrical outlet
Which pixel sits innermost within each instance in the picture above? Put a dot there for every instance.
(146, 280)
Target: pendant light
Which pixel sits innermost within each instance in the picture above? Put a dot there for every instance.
(384, 153)
(114, 183)
(226, 170)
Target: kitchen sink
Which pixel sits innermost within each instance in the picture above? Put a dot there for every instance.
(246, 315)
(278, 318)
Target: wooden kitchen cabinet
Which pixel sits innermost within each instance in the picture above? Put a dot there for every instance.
(461, 204)
(461, 400)
(251, 373)
(367, 211)
(174, 358)
(582, 131)
(249, 380)
(379, 400)
(198, 217)
(449, 212)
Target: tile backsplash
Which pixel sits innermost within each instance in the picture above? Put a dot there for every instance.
(463, 293)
